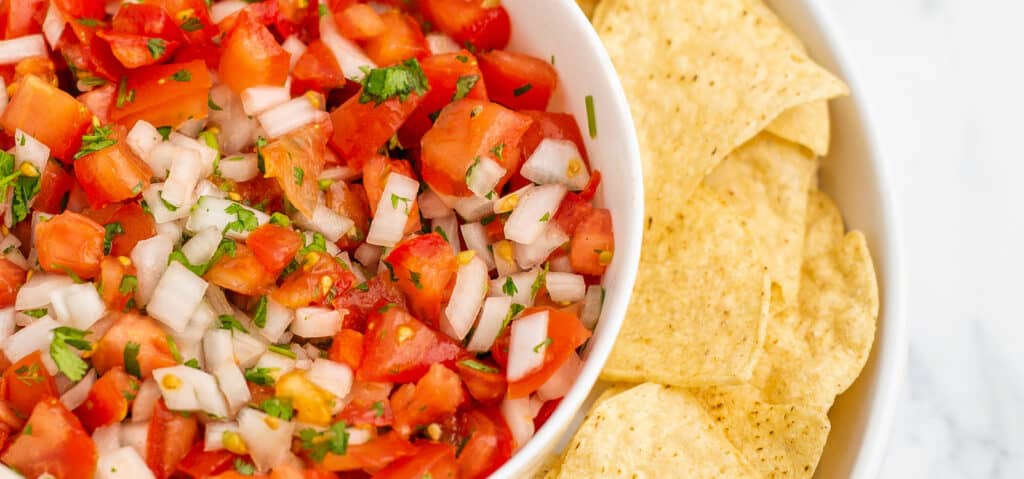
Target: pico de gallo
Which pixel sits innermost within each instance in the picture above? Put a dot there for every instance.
(285, 238)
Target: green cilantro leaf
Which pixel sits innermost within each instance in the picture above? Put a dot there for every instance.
(382, 84)
(156, 46)
(509, 288)
(98, 138)
(280, 408)
(182, 75)
(261, 376)
(131, 359)
(110, 230)
(229, 322)
(464, 85)
(283, 350)
(478, 366)
(246, 219)
(522, 90)
(69, 363)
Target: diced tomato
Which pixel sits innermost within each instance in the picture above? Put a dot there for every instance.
(201, 464)
(261, 190)
(487, 385)
(445, 73)
(23, 17)
(12, 277)
(56, 444)
(518, 81)
(274, 246)
(359, 22)
(60, 125)
(360, 304)
(27, 382)
(432, 460)
(468, 21)
(135, 51)
(318, 281)
(169, 440)
(401, 40)
(90, 54)
(567, 333)
(375, 177)
(485, 442)
(435, 396)
(135, 225)
(296, 160)
(349, 200)
(423, 267)
(108, 400)
(252, 56)
(154, 347)
(165, 95)
(371, 456)
(466, 131)
(399, 348)
(590, 190)
(571, 212)
(317, 69)
(555, 126)
(193, 17)
(360, 129)
(207, 52)
(241, 272)
(347, 348)
(82, 8)
(113, 289)
(146, 19)
(112, 174)
(593, 245)
(100, 100)
(70, 243)
(368, 403)
(545, 412)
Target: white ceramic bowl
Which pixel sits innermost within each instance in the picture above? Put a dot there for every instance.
(854, 174)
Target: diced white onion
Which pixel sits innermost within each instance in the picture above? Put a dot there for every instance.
(258, 99)
(17, 49)
(358, 435)
(473, 208)
(35, 293)
(53, 25)
(206, 187)
(492, 316)
(504, 258)
(279, 318)
(335, 378)
(161, 212)
(150, 259)
(239, 168)
(213, 440)
(475, 236)
(592, 303)
(142, 138)
(533, 254)
(79, 305)
(528, 345)
(4, 99)
(221, 10)
(350, 57)
(248, 348)
(201, 320)
(536, 208)
(355, 269)
(449, 227)
(267, 446)
(368, 255)
(439, 44)
(31, 338)
(190, 128)
(232, 384)
(202, 246)
(237, 130)
(483, 176)
(203, 387)
(107, 438)
(31, 150)
(177, 295)
(561, 264)
(75, 396)
(290, 116)
(278, 364)
(123, 463)
(523, 290)
(217, 348)
(160, 158)
(145, 401)
(559, 384)
(316, 322)
(181, 182)
(327, 222)
(6, 323)
(339, 173)
(207, 155)
(295, 49)
(471, 285)
(557, 162)
(134, 435)
(519, 416)
(431, 206)
(212, 212)
(565, 287)
(393, 210)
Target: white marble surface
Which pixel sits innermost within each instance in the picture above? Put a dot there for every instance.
(945, 80)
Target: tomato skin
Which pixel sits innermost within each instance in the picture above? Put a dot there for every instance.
(432, 460)
(350, 201)
(154, 349)
(12, 277)
(567, 333)
(274, 246)
(359, 22)
(306, 285)
(59, 126)
(545, 412)
(70, 242)
(507, 72)
(135, 222)
(300, 150)
(169, 439)
(347, 348)
(443, 73)
(200, 464)
(572, 211)
(317, 69)
(360, 129)
(27, 382)
(371, 456)
(368, 404)
(252, 56)
(375, 177)
(401, 40)
(100, 100)
(459, 137)
(108, 400)
(556, 126)
(133, 50)
(112, 272)
(431, 260)
(436, 395)
(488, 442)
(182, 10)
(24, 17)
(360, 304)
(242, 273)
(54, 185)
(58, 445)
(468, 21)
(82, 8)
(399, 348)
(593, 234)
(163, 100)
(146, 19)
(486, 387)
(112, 174)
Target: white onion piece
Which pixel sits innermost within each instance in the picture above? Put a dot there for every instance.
(145, 401)
(534, 211)
(483, 176)
(142, 138)
(492, 316)
(75, 396)
(368, 255)
(504, 258)
(222, 10)
(356, 271)
(160, 158)
(232, 384)
(190, 341)
(521, 287)
(177, 295)
(290, 116)
(172, 230)
(533, 254)
(134, 435)
(78, 305)
(358, 435)
(53, 25)
(239, 167)
(340, 173)
(213, 212)
(150, 259)
(335, 378)
(279, 318)
(277, 364)
(185, 173)
(218, 349)
(471, 285)
(527, 345)
(162, 213)
(190, 128)
(17, 49)
(182, 395)
(267, 446)
(316, 322)
(237, 130)
(592, 303)
(258, 99)
(519, 416)
(213, 439)
(431, 206)
(31, 338)
(35, 293)
(393, 209)
(29, 149)
(565, 287)
(439, 44)
(557, 161)
(295, 49)
(206, 187)
(107, 438)
(475, 236)
(473, 208)
(448, 228)
(326, 222)
(349, 56)
(207, 155)
(448, 201)
(309, 236)
(561, 264)
(123, 463)
(559, 384)
(6, 323)
(248, 348)
(4, 99)
(202, 246)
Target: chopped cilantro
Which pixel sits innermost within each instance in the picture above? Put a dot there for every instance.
(469, 171)
(440, 231)
(165, 132)
(395, 199)
(280, 408)
(182, 75)
(545, 218)
(391, 271)
(259, 317)
(36, 313)
(378, 408)
(212, 104)
(131, 359)
(193, 363)
(192, 24)
(110, 230)
(98, 138)
(261, 376)
(382, 84)
(282, 350)
(299, 174)
(497, 151)
(542, 344)
(464, 85)
(478, 366)
(522, 90)
(229, 322)
(363, 287)
(156, 46)
(246, 220)
(415, 278)
(539, 281)
(243, 467)
(172, 345)
(318, 243)
(69, 363)
(509, 288)
(591, 117)
(333, 440)
(129, 283)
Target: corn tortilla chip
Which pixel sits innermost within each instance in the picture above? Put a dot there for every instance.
(766, 181)
(779, 441)
(651, 431)
(806, 125)
(824, 225)
(550, 468)
(703, 77)
(587, 6)
(699, 308)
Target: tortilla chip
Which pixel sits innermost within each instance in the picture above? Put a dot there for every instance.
(766, 180)
(816, 349)
(588, 6)
(703, 77)
(779, 441)
(550, 468)
(806, 125)
(699, 308)
(824, 225)
(651, 431)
